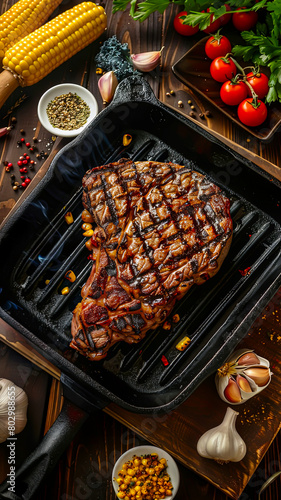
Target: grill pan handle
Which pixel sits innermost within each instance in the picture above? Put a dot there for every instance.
(134, 88)
(43, 459)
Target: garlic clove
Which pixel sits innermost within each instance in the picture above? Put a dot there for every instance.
(223, 443)
(146, 61)
(107, 85)
(249, 358)
(11, 392)
(243, 383)
(260, 375)
(232, 392)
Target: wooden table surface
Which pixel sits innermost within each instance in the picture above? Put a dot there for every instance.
(85, 469)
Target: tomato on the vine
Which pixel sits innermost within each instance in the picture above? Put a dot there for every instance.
(259, 82)
(252, 113)
(232, 92)
(184, 29)
(244, 21)
(214, 25)
(217, 46)
(222, 69)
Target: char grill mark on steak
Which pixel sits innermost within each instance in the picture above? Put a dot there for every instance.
(161, 228)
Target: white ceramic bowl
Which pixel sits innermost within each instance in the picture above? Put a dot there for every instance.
(58, 90)
(172, 468)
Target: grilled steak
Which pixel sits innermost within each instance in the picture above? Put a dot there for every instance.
(160, 228)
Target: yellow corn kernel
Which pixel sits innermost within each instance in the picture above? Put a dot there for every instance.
(21, 19)
(69, 218)
(65, 290)
(167, 325)
(183, 343)
(86, 226)
(86, 216)
(89, 244)
(127, 138)
(70, 276)
(63, 35)
(88, 233)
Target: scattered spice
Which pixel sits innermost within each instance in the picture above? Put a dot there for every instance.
(176, 318)
(245, 271)
(65, 290)
(164, 360)
(68, 111)
(172, 92)
(180, 104)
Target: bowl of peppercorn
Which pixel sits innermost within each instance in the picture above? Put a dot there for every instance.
(145, 472)
(66, 109)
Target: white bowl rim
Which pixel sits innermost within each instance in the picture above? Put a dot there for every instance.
(146, 450)
(57, 90)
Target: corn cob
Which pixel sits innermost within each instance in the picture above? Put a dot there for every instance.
(23, 18)
(40, 52)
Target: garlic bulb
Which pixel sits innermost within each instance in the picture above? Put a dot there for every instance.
(223, 443)
(146, 61)
(244, 375)
(13, 408)
(107, 85)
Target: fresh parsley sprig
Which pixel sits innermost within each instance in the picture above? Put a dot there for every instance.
(263, 48)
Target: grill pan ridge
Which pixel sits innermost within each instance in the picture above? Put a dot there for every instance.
(37, 245)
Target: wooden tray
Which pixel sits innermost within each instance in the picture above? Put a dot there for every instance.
(193, 70)
(258, 421)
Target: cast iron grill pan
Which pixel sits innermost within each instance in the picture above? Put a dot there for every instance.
(38, 245)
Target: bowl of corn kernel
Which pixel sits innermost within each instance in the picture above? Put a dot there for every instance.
(145, 473)
(66, 109)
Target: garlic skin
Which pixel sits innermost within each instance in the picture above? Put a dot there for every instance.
(223, 443)
(146, 61)
(107, 85)
(243, 375)
(17, 398)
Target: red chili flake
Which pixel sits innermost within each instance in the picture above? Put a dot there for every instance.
(22, 139)
(10, 165)
(19, 163)
(164, 360)
(27, 144)
(245, 271)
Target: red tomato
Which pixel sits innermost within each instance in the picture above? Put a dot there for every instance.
(252, 115)
(259, 82)
(217, 46)
(222, 69)
(184, 29)
(214, 25)
(226, 17)
(244, 21)
(232, 93)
